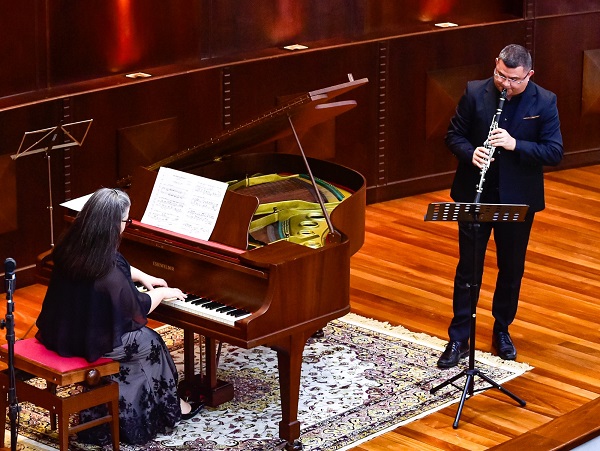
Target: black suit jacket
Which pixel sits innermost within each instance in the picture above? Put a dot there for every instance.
(535, 126)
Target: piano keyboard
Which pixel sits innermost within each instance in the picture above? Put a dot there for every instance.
(204, 307)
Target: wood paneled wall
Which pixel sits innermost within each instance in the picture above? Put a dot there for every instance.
(219, 64)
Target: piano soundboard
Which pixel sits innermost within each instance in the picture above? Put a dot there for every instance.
(204, 307)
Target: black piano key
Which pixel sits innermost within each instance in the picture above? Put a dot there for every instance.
(238, 312)
(213, 305)
(192, 297)
(201, 301)
(225, 309)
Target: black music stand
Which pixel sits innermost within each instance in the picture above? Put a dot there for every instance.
(474, 214)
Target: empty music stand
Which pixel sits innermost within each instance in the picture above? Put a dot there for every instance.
(44, 140)
(474, 214)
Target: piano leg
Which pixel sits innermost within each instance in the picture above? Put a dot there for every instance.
(188, 354)
(186, 388)
(205, 387)
(210, 350)
(289, 359)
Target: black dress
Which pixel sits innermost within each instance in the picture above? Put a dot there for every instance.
(107, 317)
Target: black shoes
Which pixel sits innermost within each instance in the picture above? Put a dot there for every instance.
(455, 350)
(196, 408)
(504, 346)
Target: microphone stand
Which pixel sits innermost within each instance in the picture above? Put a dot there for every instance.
(9, 324)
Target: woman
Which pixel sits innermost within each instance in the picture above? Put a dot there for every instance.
(92, 308)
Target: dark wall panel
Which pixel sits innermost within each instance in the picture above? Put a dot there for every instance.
(564, 75)
(21, 48)
(245, 25)
(96, 38)
(561, 7)
(54, 43)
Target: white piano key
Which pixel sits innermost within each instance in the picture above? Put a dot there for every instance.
(199, 306)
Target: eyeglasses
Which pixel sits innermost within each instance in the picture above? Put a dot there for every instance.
(512, 81)
(127, 221)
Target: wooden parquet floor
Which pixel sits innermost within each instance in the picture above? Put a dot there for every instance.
(404, 274)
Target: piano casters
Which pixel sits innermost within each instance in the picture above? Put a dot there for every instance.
(474, 214)
(9, 324)
(45, 140)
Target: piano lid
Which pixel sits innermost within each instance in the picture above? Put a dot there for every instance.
(305, 111)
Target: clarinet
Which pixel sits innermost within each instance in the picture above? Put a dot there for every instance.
(488, 146)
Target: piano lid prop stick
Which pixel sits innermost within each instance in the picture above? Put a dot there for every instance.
(333, 236)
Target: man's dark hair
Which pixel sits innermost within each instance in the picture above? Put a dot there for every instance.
(514, 55)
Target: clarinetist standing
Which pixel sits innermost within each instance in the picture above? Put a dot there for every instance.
(525, 138)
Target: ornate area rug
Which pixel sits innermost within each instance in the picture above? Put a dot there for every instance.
(361, 379)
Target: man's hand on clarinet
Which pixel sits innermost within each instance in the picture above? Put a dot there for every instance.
(501, 138)
(480, 156)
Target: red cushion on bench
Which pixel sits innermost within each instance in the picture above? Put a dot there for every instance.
(32, 349)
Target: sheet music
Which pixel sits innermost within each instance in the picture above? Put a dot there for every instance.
(184, 203)
(76, 204)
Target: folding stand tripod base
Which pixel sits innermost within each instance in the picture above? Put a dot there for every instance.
(474, 214)
(469, 389)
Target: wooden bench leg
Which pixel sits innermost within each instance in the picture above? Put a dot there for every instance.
(61, 408)
(63, 431)
(53, 417)
(107, 395)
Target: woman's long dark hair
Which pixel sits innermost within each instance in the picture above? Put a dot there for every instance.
(87, 250)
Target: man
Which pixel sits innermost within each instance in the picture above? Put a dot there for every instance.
(527, 138)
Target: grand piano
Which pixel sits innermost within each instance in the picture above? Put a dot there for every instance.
(288, 291)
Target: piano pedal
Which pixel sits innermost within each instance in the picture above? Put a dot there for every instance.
(318, 334)
(190, 393)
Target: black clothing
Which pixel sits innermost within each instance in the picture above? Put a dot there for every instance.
(534, 124)
(107, 317)
(514, 177)
(88, 318)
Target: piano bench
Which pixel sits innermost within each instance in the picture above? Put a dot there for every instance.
(33, 358)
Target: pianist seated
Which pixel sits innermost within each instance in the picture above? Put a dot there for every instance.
(92, 309)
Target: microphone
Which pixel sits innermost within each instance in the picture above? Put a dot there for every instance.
(9, 275)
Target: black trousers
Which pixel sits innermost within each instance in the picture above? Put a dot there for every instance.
(511, 246)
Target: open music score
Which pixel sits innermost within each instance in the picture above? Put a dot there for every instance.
(205, 307)
(184, 203)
